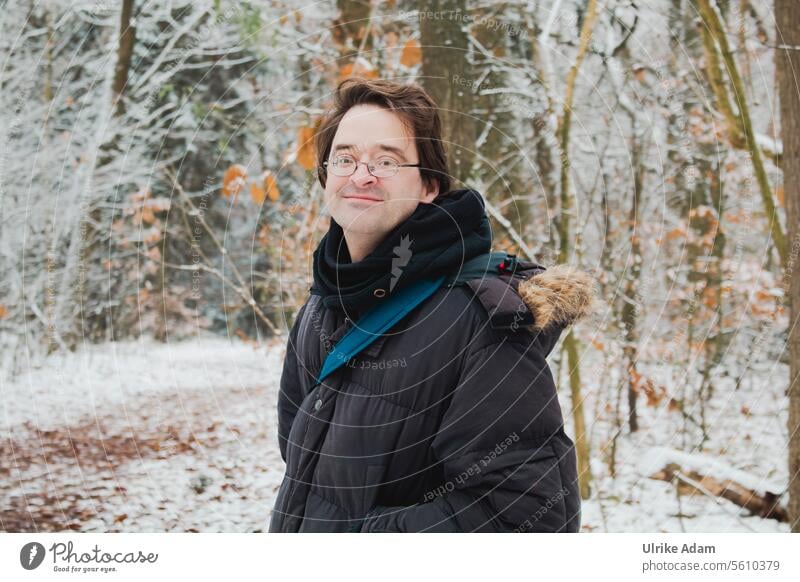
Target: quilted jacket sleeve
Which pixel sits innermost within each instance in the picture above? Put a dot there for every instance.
(508, 464)
(290, 394)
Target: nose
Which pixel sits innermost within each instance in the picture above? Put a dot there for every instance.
(361, 177)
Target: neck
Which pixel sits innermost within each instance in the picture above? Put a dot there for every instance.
(359, 245)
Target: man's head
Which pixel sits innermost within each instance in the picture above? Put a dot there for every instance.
(383, 124)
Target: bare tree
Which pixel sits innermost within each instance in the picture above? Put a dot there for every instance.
(571, 342)
(787, 20)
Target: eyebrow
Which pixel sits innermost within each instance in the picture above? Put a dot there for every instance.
(391, 149)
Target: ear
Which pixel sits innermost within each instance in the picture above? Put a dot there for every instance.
(430, 190)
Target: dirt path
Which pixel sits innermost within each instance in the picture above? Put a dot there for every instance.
(188, 461)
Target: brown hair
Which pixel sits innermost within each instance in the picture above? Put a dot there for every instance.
(415, 107)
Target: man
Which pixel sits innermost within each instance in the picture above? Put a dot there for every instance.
(449, 421)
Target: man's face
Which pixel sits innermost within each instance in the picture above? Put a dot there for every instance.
(363, 205)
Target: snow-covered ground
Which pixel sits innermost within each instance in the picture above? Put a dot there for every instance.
(143, 437)
(747, 436)
(147, 437)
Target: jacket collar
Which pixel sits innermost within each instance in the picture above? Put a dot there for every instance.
(533, 297)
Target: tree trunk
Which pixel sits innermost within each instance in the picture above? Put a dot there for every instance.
(447, 76)
(351, 34)
(787, 18)
(127, 39)
(632, 276)
(571, 342)
(501, 158)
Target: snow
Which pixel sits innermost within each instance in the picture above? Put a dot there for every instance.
(769, 144)
(100, 376)
(143, 437)
(147, 437)
(655, 459)
(746, 426)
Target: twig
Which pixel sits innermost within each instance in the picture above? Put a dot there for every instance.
(783, 47)
(242, 292)
(506, 224)
(49, 326)
(241, 288)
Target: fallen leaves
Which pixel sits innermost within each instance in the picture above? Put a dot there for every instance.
(89, 476)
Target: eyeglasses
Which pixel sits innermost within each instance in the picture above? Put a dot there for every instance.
(384, 167)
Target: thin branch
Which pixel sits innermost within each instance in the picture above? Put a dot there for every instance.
(699, 486)
(506, 224)
(246, 297)
(241, 288)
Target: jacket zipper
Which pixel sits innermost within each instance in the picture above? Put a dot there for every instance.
(317, 406)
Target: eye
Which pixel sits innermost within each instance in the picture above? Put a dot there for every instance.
(343, 161)
(385, 163)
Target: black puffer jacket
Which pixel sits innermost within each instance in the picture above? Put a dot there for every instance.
(450, 422)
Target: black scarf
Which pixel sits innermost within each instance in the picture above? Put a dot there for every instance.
(435, 240)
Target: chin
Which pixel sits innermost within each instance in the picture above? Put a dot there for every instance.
(359, 223)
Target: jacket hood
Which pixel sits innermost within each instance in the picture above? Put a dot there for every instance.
(543, 300)
(534, 297)
(558, 296)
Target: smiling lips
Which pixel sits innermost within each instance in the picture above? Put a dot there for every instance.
(365, 198)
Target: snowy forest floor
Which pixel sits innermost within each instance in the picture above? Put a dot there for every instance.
(147, 437)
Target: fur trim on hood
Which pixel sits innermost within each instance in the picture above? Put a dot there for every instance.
(560, 295)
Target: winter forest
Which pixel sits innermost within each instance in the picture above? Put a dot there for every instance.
(159, 207)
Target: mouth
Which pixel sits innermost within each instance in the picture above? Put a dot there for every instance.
(365, 198)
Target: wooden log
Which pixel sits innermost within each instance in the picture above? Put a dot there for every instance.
(764, 504)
